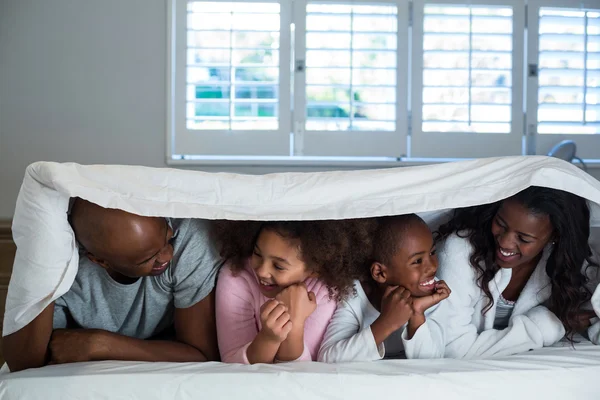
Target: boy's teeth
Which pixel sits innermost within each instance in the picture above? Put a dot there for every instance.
(427, 283)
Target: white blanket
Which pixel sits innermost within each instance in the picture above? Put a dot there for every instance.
(46, 260)
(549, 373)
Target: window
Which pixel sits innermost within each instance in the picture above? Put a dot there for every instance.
(467, 69)
(232, 66)
(380, 81)
(229, 78)
(466, 93)
(565, 100)
(351, 92)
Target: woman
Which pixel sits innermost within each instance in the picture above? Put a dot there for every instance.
(520, 271)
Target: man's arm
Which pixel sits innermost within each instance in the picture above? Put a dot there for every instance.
(195, 341)
(28, 347)
(196, 326)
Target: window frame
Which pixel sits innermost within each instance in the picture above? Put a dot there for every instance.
(538, 143)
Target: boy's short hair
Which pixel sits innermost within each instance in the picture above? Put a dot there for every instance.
(390, 234)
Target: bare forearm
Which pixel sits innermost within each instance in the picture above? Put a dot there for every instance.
(112, 346)
(415, 323)
(28, 347)
(262, 350)
(292, 348)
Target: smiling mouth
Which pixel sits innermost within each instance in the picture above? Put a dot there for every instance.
(427, 282)
(161, 266)
(266, 285)
(506, 255)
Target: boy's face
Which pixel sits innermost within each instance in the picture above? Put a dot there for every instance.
(415, 264)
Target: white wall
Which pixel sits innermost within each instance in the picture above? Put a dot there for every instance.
(82, 81)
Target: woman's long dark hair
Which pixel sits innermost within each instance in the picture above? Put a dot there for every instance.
(570, 218)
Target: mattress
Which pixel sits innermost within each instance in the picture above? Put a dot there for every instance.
(550, 373)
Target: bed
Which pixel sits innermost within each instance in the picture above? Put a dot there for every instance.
(47, 258)
(549, 373)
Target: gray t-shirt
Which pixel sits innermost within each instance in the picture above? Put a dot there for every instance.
(146, 307)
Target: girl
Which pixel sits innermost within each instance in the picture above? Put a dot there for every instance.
(515, 267)
(277, 294)
(387, 316)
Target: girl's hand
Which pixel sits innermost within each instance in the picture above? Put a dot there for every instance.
(275, 321)
(421, 304)
(299, 302)
(396, 307)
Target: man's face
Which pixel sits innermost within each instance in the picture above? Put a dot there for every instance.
(138, 246)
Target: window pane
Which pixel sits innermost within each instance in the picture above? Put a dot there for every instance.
(207, 92)
(328, 58)
(467, 68)
(256, 92)
(362, 59)
(255, 110)
(259, 57)
(327, 93)
(569, 74)
(233, 65)
(351, 67)
(324, 40)
(267, 40)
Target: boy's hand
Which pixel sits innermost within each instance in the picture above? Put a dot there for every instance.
(275, 321)
(421, 304)
(396, 310)
(299, 302)
(396, 306)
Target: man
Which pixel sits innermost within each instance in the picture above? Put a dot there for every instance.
(138, 276)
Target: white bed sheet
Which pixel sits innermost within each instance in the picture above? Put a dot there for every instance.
(549, 373)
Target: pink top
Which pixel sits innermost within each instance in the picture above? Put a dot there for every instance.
(238, 315)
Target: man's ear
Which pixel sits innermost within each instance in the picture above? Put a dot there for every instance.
(379, 272)
(97, 260)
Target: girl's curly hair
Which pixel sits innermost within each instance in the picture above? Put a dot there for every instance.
(570, 218)
(336, 250)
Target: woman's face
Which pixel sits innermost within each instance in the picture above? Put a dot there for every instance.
(520, 235)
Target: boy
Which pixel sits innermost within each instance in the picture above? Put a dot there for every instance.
(391, 303)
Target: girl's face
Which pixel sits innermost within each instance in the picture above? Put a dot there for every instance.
(276, 263)
(520, 236)
(415, 263)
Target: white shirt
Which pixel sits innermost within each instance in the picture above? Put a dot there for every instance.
(349, 336)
